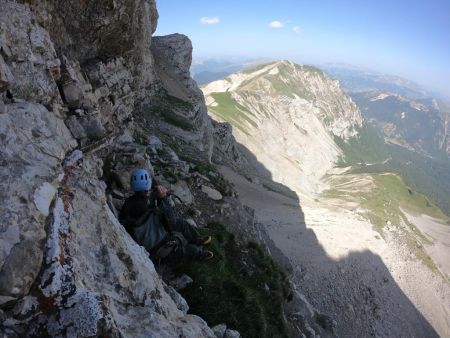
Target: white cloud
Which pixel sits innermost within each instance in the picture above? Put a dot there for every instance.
(297, 29)
(209, 20)
(276, 24)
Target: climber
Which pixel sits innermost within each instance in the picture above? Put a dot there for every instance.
(151, 221)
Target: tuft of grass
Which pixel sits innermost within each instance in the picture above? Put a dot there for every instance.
(168, 108)
(176, 120)
(241, 286)
(231, 111)
(210, 171)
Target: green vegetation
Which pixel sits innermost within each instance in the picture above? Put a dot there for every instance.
(285, 84)
(311, 69)
(390, 195)
(369, 154)
(386, 202)
(253, 69)
(404, 181)
(241, 286)
(369, 147)
(168, 108)
(210, 171)
(231, 111)
(418, 128)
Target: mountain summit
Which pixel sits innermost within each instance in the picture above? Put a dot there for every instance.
(287, 115)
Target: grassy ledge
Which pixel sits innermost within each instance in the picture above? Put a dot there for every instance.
(241, 286)
(169, 109)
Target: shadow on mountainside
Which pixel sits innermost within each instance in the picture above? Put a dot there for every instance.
(358, 291)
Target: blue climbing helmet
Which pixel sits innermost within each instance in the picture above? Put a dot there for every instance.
(140, 180)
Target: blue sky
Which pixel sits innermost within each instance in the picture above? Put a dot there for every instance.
(406, 38)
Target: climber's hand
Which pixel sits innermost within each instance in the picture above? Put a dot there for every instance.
(161, 192)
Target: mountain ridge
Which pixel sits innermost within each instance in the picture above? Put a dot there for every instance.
(271, 99)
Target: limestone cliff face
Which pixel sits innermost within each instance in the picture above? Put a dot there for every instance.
(173, 58)
(73, 75)
(287, 116)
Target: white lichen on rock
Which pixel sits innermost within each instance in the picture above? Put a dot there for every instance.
(43, 197)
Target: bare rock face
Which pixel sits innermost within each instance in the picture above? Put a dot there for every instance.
(103, 30)
(28, 62)
(95, 58)
(111, 282)
(32, 144)
(72, 74)
(173, 57)
(176, 49)
(226, 150)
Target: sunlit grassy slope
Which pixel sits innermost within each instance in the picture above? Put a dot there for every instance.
(369, 154)
(231, 111)
(278, 79)
(390, 170)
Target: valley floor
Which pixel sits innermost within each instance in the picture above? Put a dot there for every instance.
(372, 286)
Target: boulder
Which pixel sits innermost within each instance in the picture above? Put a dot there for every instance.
(212, 193)
(155, 143)
(219, 330)
(72, 93)
(231, 334)
(181, 282)
(181, 189)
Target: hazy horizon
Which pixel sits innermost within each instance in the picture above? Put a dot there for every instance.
(405, 39)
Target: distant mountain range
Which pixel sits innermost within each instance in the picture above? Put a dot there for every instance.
(357, 79)
(286, 114)
(406, 113)
(205, 71)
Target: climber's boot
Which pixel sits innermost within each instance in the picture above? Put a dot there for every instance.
(206, 255)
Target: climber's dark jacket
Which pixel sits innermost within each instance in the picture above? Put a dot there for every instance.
(135, 207)
(151, 221)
